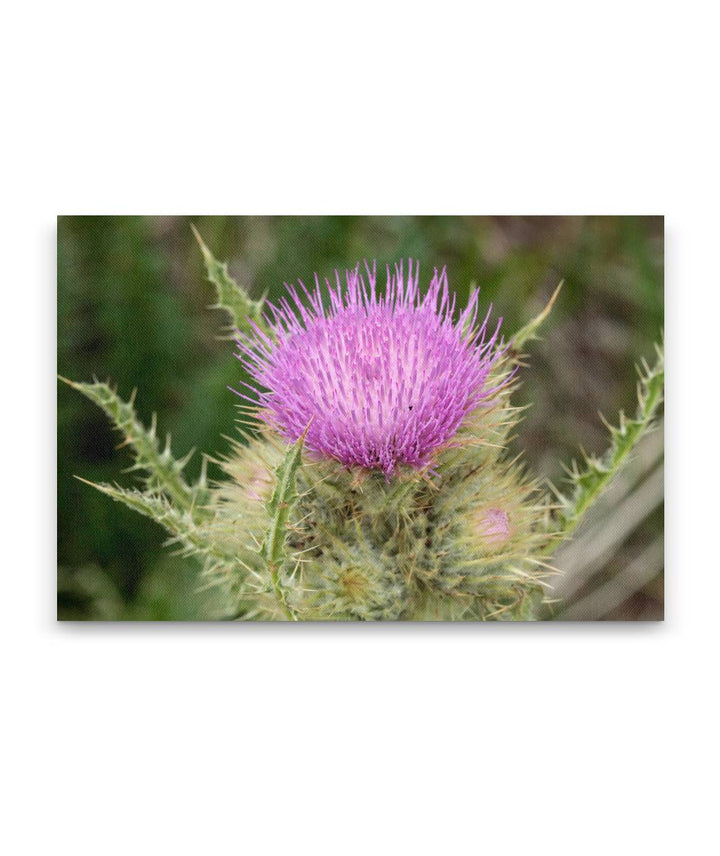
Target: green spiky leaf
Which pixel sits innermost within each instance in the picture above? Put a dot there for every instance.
(230, 296)
(163, 473)
(590, 478)
(180, 524)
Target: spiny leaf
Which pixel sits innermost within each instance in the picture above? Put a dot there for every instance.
(529, 331)
(180, 524)
(591, 478)
(231, 297)
(164, 472)
(279, 507)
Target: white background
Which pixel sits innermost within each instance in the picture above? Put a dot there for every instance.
(343, 740)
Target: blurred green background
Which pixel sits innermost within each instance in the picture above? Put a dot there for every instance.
(132, 307)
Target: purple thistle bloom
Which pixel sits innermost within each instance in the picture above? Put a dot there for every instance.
(383, 379)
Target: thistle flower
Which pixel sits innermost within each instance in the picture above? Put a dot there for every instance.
(382, 379)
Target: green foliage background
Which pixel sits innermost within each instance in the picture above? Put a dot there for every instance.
(132, 307)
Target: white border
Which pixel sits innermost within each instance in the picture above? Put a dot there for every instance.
(397, 739)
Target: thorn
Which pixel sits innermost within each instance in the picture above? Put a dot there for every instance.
(203, 246)
(302, 437)
(528, 331)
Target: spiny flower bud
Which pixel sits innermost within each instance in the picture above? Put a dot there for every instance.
(494, 527)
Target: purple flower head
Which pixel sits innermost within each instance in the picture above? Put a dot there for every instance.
(382, 379)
